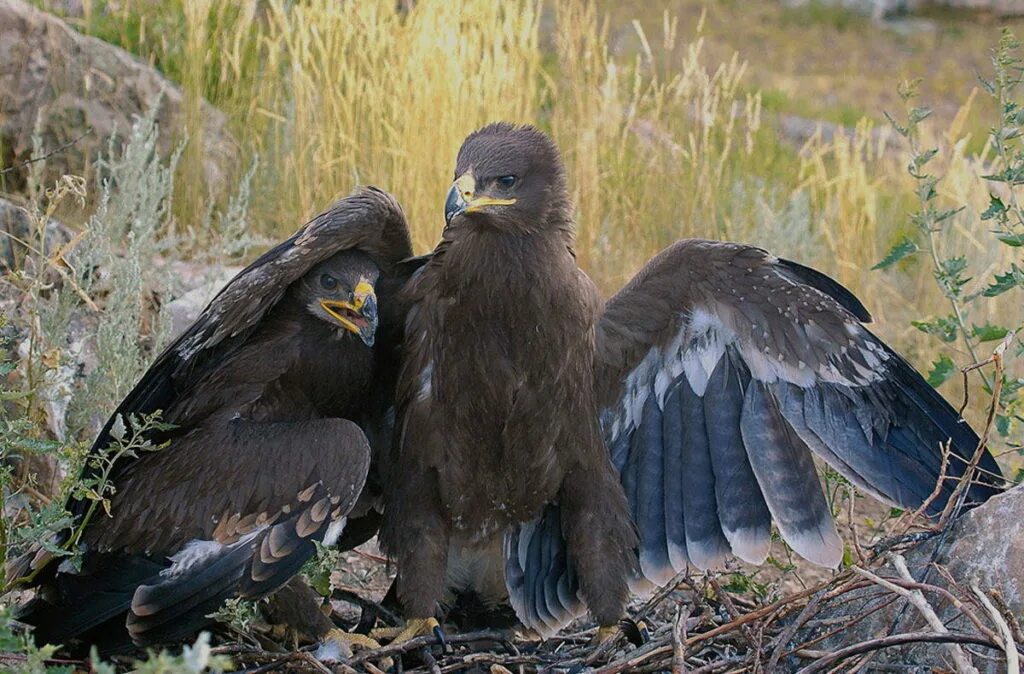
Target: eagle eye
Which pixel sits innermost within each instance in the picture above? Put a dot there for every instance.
(506, 181)
(328, 282)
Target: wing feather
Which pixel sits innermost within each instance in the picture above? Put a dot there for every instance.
(721, 371)
(750, 365)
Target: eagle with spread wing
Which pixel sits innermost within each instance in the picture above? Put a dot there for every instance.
(276, 400)
(553, 448)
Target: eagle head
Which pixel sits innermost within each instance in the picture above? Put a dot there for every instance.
(510, 177)
(340, 290)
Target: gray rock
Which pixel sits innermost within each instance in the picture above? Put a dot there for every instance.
(205, 283)
(983, 547)
(62, 84)
(798, 130)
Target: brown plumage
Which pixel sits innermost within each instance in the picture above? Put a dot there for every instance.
(276, 394)
(604, 444)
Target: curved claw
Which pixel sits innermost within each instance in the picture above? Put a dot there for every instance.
(441, 638)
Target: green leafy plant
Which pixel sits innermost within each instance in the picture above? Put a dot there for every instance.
(320, 567)
(964, 283)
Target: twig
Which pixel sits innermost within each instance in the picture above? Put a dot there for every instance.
(49, 154)
(954, 600)
(679, 640)
(791, 629)
(1009, 646)
(731, 608)
(997, 599)
(959, 494)
(916, 597)
(907, 519)
(290, 659)
(895, 640)
(426, 640)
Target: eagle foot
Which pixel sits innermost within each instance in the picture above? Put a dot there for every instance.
(606, 635)
(337, 645)
(413, 628)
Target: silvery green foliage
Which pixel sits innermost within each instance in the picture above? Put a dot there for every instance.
(114, 264)
(194, 659)
(232, 224)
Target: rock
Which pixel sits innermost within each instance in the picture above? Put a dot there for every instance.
(205, 283)
(15, 226)
(1001, 8)
(62, 84)
(982, 547)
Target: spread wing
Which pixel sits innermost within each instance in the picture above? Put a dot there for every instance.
(369, 220)
(723, 370)
(232, 507)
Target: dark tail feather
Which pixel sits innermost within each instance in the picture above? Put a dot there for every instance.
(649, 510)
(933, 419)
(541, 582)
(788, 479)
(825, 418)
(887, 438)
(675, 515)
(75, 604)
(180, 604)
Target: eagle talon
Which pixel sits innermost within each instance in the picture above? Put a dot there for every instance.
(413, 628)
(337, 645)
(442, 638)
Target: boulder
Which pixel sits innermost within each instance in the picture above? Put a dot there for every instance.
(202, 284)
(61, 84)
(981, 548)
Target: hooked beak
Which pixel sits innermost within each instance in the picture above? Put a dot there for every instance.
(358, 316)
(462, 198)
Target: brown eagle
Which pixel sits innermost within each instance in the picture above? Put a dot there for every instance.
(594, 443)
(277, 397)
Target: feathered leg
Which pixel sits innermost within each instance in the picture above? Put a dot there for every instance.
(415, 535)
(601, 538)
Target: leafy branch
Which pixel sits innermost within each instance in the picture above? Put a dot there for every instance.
(932, 222)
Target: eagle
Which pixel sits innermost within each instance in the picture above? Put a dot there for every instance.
(272, 404)
(554, 450)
